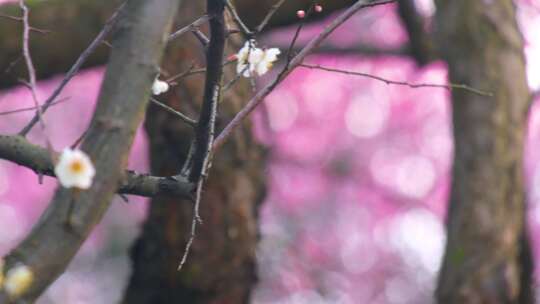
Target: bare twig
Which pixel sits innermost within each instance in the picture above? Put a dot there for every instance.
(358, 50)
(191, 122)
(243, 27)
(289, 54)
(269, 15)
(196, 220)
(192, 71)
(29, 63)
(188, 28)
(296, 61)
(201, 37)
(402, 83)
(30, 108)
(19, 19)
(204, 131)
(12, 64)
(19, 150)
(74, 69)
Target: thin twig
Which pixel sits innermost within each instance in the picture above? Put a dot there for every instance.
(29, 64)
(296, 35)
(13, 18)
(229, 84)
(191, 122)
(200, 36)
(12, 64)
(194, 221)
(192, 71)
(29, 108)
(402, 83)
(269, 15)
(200, 21)
(109, 25)
(204, 131)
(18, 19)
(243, 27)
(296, 61)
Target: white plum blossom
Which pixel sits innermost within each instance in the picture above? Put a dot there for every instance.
(255, 60)
(18, 279)
(74, 169)
(159, 87)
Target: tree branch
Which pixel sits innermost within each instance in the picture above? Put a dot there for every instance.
(70, 217)
(401, 83)
(73, 70)
(204, 132)
(19, 150)
(358, 50)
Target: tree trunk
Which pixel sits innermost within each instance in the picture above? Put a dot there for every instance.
(487, 258)
(221, 265)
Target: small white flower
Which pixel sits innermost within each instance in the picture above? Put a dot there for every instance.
(18, 279)
(255, 60)
(159, 87)
(74, 169)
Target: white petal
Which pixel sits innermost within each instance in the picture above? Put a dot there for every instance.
(262, 68)
(272, 54)
(255, 56)
(67, 177)
(159, 87)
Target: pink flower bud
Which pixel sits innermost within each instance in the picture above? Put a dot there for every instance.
(318, 8)
(301, 14)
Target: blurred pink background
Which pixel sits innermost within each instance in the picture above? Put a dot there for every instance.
(358, 175)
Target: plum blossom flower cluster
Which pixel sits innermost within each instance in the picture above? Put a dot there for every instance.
(74, 169)
(253, 60)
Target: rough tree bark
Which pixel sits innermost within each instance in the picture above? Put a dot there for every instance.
(487, 259)
(221, 265)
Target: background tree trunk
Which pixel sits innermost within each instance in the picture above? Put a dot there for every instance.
(487, 258)
(221, 265)
(72, 25)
